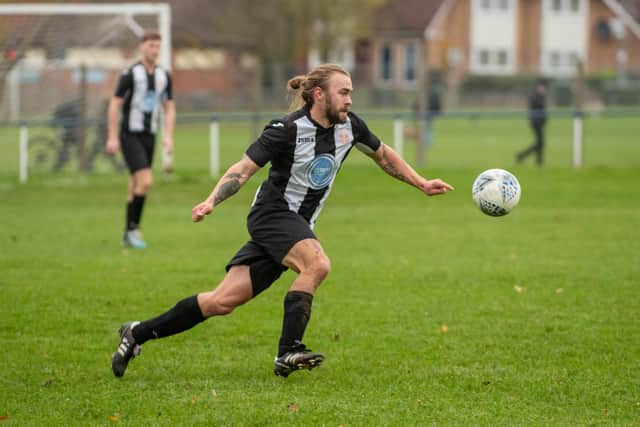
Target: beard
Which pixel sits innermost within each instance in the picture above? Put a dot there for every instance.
(333, 114)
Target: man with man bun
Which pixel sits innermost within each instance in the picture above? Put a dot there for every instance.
(305, 150)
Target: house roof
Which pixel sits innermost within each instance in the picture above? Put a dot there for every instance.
(407, 18)
(632, 7)
(628, 11)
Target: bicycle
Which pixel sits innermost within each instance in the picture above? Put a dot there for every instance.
(53, 153)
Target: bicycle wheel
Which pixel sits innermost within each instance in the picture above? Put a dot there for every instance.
(43, 153)
(99, 160)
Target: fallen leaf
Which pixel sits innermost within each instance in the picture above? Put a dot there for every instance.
(195, 399)
(519, 289)
(559, 291)
(336, 337)
(444, 328)
(214, 394)
(605, 411)
(4, 417)
(292, 407)
(114, 418)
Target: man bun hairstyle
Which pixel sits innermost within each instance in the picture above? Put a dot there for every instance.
(300, 88)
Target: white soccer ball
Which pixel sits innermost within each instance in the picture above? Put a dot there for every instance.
(496, 192)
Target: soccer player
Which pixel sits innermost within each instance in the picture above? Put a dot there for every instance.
(537, 120)
(141, 90)
(305, 150)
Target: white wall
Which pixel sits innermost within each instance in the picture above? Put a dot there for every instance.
(564, 35)
(493, 36)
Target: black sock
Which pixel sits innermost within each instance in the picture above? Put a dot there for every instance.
(297, 311)
(136, 210)
(129, 223)
(185, 315)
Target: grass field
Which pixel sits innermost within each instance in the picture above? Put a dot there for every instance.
(433, 314)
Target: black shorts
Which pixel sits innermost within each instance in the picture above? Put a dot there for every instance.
(273, 234)
(137, 150)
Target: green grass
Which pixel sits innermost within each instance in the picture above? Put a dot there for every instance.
(433, 313)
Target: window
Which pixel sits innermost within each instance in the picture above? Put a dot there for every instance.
(497, 61)
(386, 59)
(484, 57)
(410, 62)
(502, 57)
(575, 5)
(565, 6)
(494, 5)
(554, 59)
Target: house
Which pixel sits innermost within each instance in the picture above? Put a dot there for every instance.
(501, 38)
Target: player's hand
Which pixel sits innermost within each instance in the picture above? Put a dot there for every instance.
(168, 144)
(113, 145)
(167, 157)
(200, 210)
(433, 187)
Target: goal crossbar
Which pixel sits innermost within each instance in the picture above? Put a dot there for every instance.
(162, 10)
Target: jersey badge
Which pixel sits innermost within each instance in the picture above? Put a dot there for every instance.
(321, 170)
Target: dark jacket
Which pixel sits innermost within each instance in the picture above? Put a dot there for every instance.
(537, 107)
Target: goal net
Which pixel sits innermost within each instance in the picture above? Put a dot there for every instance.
(54, 52)
(61, 62)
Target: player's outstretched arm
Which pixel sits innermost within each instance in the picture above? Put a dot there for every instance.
(232, 180)
(396, 167)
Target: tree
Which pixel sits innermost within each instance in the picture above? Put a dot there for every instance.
(283, 32)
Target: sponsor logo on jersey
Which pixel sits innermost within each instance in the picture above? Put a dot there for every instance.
(277, 125)
(306, 140)
(321, 170)
(149, 101)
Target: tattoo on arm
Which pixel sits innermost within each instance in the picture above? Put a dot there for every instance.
(227, 189)
(391, 170)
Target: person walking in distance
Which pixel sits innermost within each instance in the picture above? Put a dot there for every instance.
(142, 89)
(305, 149)
(537, 120)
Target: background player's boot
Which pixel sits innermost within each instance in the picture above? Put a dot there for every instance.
(133, 239)
(299, 357)
(127, 350)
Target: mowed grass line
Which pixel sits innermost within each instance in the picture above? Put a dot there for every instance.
(433, 313)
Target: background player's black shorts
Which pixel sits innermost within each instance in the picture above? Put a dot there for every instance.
(137, 150)
(273, 234)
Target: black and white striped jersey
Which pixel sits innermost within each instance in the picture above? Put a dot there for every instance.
(305, 158)
(143, 93)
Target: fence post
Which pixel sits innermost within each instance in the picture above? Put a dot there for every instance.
(214, 148)
(398, 136)
(24, 154)
(577, 140)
